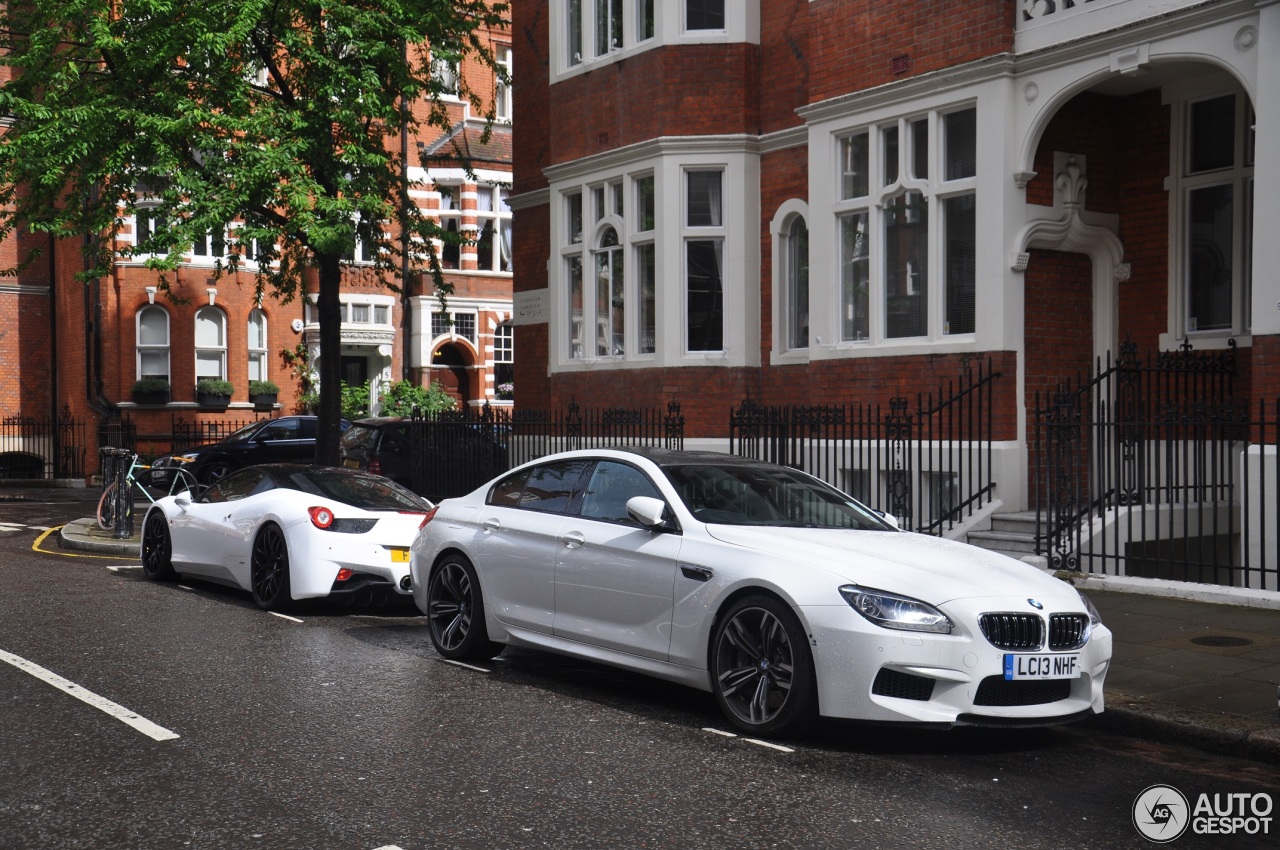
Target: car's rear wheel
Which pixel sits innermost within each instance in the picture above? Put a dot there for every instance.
(157, 548)
(455, 612)
(269, 569)
(761, 667)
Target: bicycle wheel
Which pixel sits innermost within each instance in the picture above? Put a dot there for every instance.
(183, 482)
(108, 504)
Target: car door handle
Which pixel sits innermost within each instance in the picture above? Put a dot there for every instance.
(574, 539)
(492, 524)
(696, 573)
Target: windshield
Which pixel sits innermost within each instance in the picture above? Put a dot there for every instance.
(767, 495)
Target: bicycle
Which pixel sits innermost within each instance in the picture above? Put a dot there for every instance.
(112, 500)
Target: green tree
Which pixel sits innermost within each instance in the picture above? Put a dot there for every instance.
(401, 397)
(283, 115)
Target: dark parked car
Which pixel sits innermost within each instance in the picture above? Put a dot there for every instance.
(457, 456)
(288, 438)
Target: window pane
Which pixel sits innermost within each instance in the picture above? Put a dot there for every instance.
(798, 285)
(906, 251)
(961, 134)
(360, 313)
(644, 23)
(550, 487)
(464, 325)
(257, 367)
(961, 264)
(920, 149)
(209, 328)
(209, 364)
(705, 295)
(257, 329)
(1213, 134)
(440, 324)
(704, 14)
(645, 204)
(854, 271)
(380, 315)
(574, 41)
(154, 363)
(854, 158)
(704, 199)
(575, 308)
(574, 210)
(647, 285)
(1209, 264)
(609, 297)
(890, 151)
(153, 327)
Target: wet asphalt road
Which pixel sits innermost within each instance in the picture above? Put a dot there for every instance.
(345, 730)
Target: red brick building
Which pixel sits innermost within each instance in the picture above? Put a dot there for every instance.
(823, 201)
(76, 349)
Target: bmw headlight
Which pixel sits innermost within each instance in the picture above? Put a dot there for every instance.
(1095, 619)
(891, 611)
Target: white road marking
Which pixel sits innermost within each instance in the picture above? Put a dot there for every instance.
(777, 747)
(284, 617)
(124, 715)
(388, 847)
(468, 666)
(122, 568)
(718, 732)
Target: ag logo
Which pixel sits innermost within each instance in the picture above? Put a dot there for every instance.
(1161, 813)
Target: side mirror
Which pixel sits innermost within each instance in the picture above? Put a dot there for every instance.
(183, 501)
(647, 511)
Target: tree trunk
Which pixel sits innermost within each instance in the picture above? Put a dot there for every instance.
(329, 312)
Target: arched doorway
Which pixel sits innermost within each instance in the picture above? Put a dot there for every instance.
(451, 366)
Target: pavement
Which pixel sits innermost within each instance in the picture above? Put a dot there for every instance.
(1191, 664)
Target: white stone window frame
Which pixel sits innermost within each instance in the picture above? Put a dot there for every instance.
(742, 26)
(210, 350)
(504, 56)
(1181, 97)
(502, 218)
(369, 304)
(935, 189)
(211, 255)
(780, 249)
(667, 160)
(153, 348)
(451, 334)
(257, 354)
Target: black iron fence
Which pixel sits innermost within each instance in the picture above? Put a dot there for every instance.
(1151, 468)
(454, 452)
(929, 465)
(42, 448)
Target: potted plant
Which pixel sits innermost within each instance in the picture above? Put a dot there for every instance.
(151, 391)
(263, 393)
(212, 392)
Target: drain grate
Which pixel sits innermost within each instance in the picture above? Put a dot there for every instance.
(1221, 640)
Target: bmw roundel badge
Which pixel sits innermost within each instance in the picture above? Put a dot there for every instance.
(1036, 605)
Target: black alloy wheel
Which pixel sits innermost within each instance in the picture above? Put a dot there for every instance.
(269, 569)
(157, 548)
(455, 612)
(215, 472)
(761, 667)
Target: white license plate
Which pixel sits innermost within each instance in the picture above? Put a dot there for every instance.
(159, 474)
(1048, 666)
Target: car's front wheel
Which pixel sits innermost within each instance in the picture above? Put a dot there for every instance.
(761, 667)
(157, 548)
(269, 569)
(215, 472)
(455, 612)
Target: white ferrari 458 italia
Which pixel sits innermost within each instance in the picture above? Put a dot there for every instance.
(776, 592)
(286, 532)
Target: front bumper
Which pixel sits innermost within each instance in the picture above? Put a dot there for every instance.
(869, 673)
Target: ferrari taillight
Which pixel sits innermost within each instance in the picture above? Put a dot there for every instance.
(321, 517)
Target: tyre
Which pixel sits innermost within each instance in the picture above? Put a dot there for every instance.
(761, 667)
(455, 612)
(108, 504)
(157, 548)
(269, 569)
(215, 472)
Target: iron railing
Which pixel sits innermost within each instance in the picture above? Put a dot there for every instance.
(930, 466)
(42, 447)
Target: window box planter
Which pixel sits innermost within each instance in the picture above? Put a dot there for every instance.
(151, 391)
(263, 394)
(213, 394)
